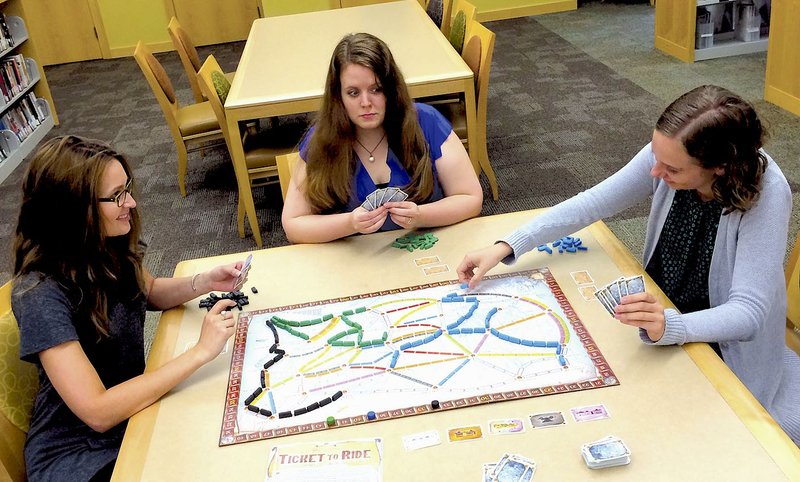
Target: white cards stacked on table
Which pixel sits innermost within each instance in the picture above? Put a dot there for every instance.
(606, 452)
(613, 292)
(381, 196)
(510, 468)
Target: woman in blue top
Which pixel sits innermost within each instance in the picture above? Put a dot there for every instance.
(368, 135)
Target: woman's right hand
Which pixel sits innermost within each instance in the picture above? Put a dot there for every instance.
(477, 263)
(366, 222)
(218, 326)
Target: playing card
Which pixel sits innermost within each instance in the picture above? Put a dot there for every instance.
(613, 290)
(245, 268)
(603, 298)
(390, 193)
(582, 277)
(506, 426)
(367, 204)
(588, 292)
(459, 434)
(421, 440)
(635, 284)
(547, 419)
(373, 198)
(530, 467)
(488, 469)
(399, 196)
(623, 288)
(606, 452)
(511, 470)
(589, 413)
(609, 449)
(380, 196)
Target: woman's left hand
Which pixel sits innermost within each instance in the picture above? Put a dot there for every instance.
(404, 213)
(642, 310)
(221, 278)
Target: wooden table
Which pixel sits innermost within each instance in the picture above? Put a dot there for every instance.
(680, 410)
(285, 62)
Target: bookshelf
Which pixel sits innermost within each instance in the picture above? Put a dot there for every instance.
(677, 30)
(26, 112)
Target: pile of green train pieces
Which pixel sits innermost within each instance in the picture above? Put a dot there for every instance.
(413, 241)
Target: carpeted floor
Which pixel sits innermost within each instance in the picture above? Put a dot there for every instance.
(572, 97)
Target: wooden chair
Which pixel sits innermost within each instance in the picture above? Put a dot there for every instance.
(450, 13)
(478, 50)
(259, 150)
(286, 163)
(18, 384)
(446, 5)
(189, 57)
(792, 273)
(191, 126)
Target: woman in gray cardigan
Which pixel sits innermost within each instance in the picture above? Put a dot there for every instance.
(717, 199)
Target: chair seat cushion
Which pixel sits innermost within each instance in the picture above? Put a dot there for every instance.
(260, 151)
(455, 113)
(20, 380)
(196, 119)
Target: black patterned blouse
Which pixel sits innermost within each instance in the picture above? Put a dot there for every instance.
(682, 256)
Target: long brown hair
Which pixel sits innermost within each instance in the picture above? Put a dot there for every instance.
(59, 231)
(330, 160)
(720, 130)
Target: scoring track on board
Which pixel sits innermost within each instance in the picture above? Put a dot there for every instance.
(404, 352)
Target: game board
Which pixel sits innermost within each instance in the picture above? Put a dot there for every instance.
(405, 352)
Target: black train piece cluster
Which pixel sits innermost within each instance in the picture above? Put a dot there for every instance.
(237, 296)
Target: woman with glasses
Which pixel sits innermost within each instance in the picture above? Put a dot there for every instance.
(79, 296)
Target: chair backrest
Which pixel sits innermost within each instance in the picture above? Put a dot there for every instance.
(792, 273)
(438, 11)
(478, 50)
(188, 54)
(206, 81)
(18, 384)
(161, 86)
(285, 164)
(450, 13)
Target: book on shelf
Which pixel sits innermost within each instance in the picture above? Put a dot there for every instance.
(6, 39)
(23, 118)
(14, 76)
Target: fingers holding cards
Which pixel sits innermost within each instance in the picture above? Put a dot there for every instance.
(243, 272)
(611, 295)
(379, 197)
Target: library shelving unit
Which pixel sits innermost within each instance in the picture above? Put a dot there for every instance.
(676, 31)
(30, 99)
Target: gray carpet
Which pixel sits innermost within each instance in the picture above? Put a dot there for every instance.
(572, 97)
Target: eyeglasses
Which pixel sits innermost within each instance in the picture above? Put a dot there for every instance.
(120, 197)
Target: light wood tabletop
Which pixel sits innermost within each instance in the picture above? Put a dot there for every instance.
(679, 409)
(286, 58)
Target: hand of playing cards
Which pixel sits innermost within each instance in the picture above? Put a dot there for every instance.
(379, 197)
(610, 295)
(606, 452)
(510, 468)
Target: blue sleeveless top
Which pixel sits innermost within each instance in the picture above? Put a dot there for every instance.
(435, 129)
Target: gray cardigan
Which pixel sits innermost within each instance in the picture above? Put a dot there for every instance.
(746, 284)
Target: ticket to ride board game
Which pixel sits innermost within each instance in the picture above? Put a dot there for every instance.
(408, 351)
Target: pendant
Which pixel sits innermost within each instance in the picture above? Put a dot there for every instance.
(371, 158)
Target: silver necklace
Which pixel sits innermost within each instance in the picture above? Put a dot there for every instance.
(371, 157)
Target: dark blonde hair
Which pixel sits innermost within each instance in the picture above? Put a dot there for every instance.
(330, 162)
(720, 130)
(59, 232)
